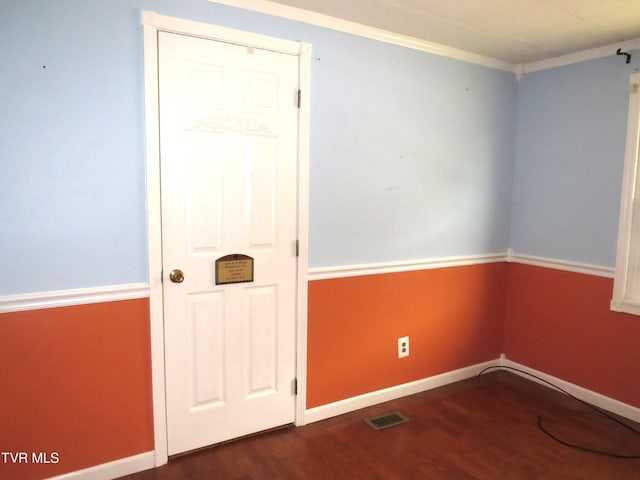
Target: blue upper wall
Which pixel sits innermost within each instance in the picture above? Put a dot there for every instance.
(572, 124)
(411, 153)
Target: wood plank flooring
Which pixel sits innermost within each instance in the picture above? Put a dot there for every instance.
(482, 429)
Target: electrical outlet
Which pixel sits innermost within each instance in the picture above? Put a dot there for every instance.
(403, 347)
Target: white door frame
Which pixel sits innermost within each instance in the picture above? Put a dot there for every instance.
(152, 23)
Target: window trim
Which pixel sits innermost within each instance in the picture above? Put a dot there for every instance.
(626, 284)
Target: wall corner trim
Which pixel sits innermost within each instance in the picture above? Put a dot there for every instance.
(71, 297)
(115, 469)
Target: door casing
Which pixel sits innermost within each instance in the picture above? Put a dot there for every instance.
(152, 23)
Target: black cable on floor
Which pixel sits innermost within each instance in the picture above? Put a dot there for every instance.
(593, 407)
(580, 447)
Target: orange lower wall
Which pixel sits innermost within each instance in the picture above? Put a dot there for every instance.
(76, 381)
(453, 316)
(560, 323)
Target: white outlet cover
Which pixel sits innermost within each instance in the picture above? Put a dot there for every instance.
(403, 347)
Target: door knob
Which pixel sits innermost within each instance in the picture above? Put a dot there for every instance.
(176, 276)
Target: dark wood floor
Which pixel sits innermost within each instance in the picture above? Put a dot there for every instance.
(470, 430)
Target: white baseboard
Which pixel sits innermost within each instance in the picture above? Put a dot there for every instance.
(606, 403)
(110, 470)
(145, 461)
(380, 396)
(373, 398)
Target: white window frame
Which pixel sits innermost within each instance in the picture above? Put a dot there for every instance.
(626, 284)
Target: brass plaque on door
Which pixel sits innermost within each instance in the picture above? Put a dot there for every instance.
(234, 268)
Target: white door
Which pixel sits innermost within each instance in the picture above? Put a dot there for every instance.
(228, 160)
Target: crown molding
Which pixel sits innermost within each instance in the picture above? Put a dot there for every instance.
(326, 21)
(320, 20)
(578, 57)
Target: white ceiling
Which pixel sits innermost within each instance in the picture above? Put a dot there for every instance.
(514, 31)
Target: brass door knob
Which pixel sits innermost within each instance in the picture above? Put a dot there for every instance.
(176, 276)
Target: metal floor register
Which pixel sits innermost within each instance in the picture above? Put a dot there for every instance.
(385, 421)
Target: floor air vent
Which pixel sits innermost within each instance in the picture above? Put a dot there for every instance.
(385, 421)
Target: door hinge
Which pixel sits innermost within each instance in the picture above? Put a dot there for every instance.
(297, 248)
(295, 386)
(299, 98)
